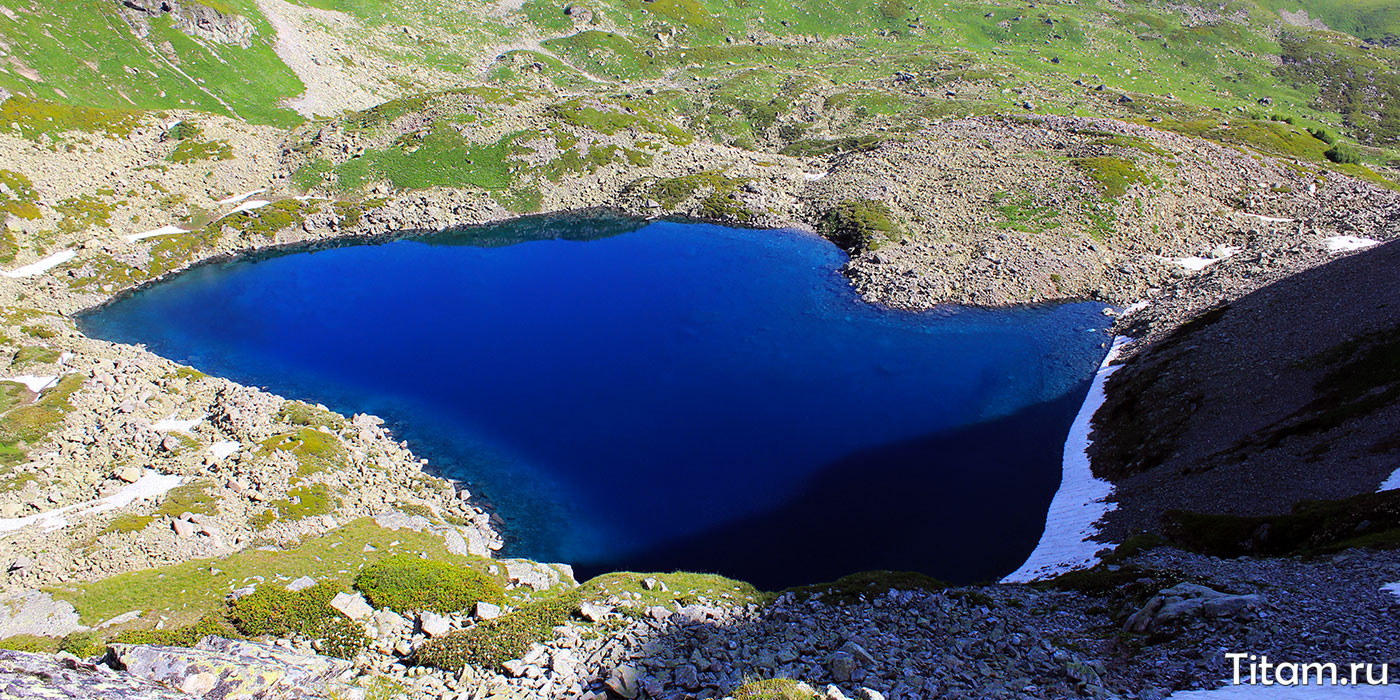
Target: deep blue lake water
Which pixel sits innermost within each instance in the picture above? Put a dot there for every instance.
(663, 395)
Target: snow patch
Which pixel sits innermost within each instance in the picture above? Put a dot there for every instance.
(1135, 307)
(166, 425)
(249, 206)
(223, 448)
(1270, 219)
(1392, 588)
(42, 266)
(240, 197)
(811, 177)
(1346, 244)
(151, 484)
(33, 382)
(162, 231)
(1082, 499)
(1391, 483)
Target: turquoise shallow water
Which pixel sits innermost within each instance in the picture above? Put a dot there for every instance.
(663, 395)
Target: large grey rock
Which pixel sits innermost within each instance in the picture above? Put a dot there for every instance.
(25, 676)
(301, 584)
(624, 681)
(841, 665)
(433, 624)
(487, 611)
(352, 605)
(227, 669)
(36, 613)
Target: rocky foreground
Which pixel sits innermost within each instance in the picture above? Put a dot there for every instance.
(1140, 628)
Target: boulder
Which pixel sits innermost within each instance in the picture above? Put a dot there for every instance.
(487, 611)
(841, 665)
(226, 668)
(25, 675)
(183, 528)
(624, 681)
(129, 474)
(353, 606)
(594, 612)
(433, 624)
(687, 676)
(36, 613)
(301, 584)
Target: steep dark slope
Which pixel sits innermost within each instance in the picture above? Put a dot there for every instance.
(1289, 393)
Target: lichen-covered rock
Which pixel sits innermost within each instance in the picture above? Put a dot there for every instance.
(235, 670)
(45, 677)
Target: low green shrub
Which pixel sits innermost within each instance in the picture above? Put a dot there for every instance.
(208, 626)
(277, 612)
(406, 584)
(859, 224)
(491, 643)
(83, 644)
(30, 643)
(775, 689)
(1343, 153)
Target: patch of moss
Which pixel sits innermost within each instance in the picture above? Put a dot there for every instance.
(82, 212)
(859, 224)
(407, 584)
(315, 450)
(775, 689)
(269, 220)
(18, 196)
(34, 355)
(301, 502)
(192, 497)
(34, 117)
(1113, 175)
(191, 151)
(715, 190)
(304, 414)
(127, 522)
(32, 422)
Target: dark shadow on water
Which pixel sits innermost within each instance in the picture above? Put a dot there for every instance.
(932, 504)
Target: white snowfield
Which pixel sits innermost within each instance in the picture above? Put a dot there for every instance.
(1196, 264)
(240, 197)
(249, 206)
(1391, 483)
(1300, 692)
(1346, 244)
(1392, 588)
(1082, 499)
(151, 484)
(162, 231)
(223, 448)
(170, 424)
(32, 382)
(1270, 219)
(42, 266)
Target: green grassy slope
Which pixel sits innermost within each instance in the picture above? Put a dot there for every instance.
(83, 52)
